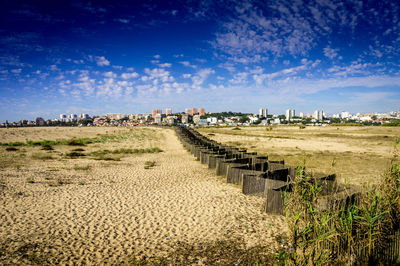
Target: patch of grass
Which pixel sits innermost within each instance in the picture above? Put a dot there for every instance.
(74, 155)
(47, 147)
(78, 149)
(11, 149)
(52, 185)
(41, 156)
(107, 158)
(149, 164)
(12, 144)
(82, 168)
(101, 154)
(71, 142)
(30, 181)
(236, 128)
(81, 184)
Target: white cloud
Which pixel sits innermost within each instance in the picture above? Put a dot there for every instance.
(123, 20)
(186, 76)
(239, 78)
(110, 74)
(330, 53)
(165, 65)
(129, 75)
(201, 75)
(157, 56)
(100, 60)
(16, 71)
(188, 64)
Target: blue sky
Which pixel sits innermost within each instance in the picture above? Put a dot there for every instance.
(133, 56)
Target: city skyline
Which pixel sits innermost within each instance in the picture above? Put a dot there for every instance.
(98, 57)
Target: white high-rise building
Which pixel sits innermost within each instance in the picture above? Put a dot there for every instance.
(290, 113)
(319, 114)
(345, 115)
(263, 112)
(301, 115)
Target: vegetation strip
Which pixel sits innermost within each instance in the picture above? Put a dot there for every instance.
(71, 142)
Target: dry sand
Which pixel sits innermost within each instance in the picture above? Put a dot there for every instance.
(118, 210)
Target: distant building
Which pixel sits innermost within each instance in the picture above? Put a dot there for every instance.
(155, 112)
(168, 111)
(194, 111)
(72, 117)
(196, 119)
(202, 111)
(202, 122)
(212, 120)
(83, 116)
(158, 119)
(63, 117)
(188, 111)
(185, 119)
(318, 115)
(345, 115)
(290, 113)
(171, 120)
(263, 112)
(301, 115)
(40, 121)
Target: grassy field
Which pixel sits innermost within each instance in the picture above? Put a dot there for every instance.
(356, 154)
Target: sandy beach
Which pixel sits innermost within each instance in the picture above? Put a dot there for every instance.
(118, 211)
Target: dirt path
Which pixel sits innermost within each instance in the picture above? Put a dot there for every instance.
(127, 210)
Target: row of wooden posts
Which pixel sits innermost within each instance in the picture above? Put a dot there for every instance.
(256, 174)
(259, 176)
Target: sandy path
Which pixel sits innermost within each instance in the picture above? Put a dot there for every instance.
(128, 210)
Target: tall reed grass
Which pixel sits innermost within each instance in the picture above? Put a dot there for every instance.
(355, 229)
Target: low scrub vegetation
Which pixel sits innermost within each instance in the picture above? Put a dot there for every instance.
(149, 164)
(354, 230)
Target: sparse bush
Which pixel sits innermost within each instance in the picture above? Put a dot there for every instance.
(149, 164)
(78, 149)
(47, 147)
(30, 181)
(76, 142)
(11, 149)
(74, 154)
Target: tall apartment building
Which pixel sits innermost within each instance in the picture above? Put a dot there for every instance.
(202, 111)
(83, 116)
(194, 111)
(63, 117)
(155, 112)
(188, 111)
(290, 113)
(72, 117)
(319, 114)
(168, 111)
(263, 112)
